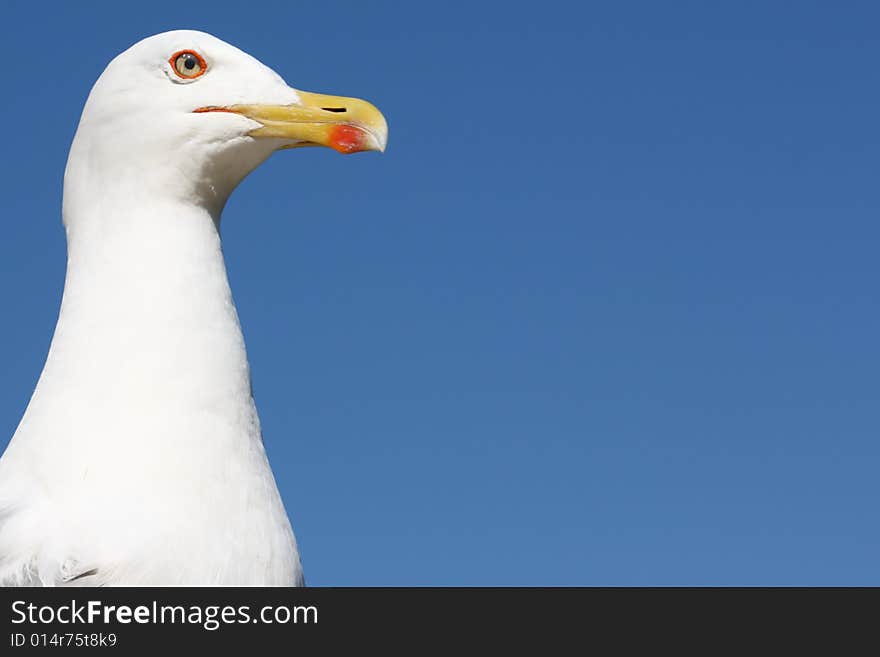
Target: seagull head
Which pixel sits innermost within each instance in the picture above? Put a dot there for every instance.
(185, 115)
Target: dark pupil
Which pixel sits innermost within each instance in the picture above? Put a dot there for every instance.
(189, 62)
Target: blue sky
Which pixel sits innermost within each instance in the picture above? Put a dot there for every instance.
(605, 312)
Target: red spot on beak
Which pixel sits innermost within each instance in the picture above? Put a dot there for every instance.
(347, 139)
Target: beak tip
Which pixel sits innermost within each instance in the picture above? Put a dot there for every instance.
(381, 141)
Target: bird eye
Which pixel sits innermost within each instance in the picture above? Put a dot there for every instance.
(188, 64)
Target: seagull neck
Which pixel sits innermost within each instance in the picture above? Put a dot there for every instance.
(133, 249)
(147, 307)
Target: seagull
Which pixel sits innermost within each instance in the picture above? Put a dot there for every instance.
(139, 460)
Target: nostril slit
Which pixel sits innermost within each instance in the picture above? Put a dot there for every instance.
(334, 109)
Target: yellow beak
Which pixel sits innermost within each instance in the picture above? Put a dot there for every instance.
(347, 125)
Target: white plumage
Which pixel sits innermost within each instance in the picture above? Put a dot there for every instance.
(139, 460)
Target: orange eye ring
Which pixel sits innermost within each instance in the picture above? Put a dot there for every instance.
(188, 64)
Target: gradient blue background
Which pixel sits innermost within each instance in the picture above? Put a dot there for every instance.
(606, 312)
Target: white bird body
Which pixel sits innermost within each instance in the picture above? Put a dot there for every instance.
(139, 459)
